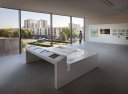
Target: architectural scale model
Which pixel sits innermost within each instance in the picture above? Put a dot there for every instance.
(69, 63)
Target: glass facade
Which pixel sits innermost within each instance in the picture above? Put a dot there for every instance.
(9, 31)
(61, 30)
(35, 28)
(77, 27)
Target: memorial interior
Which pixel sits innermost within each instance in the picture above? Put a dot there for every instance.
(43, 52)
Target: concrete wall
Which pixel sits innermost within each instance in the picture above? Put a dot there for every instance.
(9, 46)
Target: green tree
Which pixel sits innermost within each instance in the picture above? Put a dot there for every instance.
(30, 32)
(26, 33)
(16, 33)
(7, 33)
(74, 35)
(23, 33)
(10, 33)
(66, 33)
(63, 36)
(1, 31)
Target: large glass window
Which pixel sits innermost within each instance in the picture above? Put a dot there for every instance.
(9, 31)
(61, 30)
(35, 29)
(77, 27)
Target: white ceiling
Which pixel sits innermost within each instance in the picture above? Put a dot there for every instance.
(78, 8)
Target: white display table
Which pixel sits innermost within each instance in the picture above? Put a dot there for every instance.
(69, 63)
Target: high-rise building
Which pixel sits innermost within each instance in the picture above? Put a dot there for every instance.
(56, 32)
(30, 24)
(36, 25)
(42, 23)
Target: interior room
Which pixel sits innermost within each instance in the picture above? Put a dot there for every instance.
(63, 47)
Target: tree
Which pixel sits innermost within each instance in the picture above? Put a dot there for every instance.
(25, 33)
(63, 36)
(30, 32)
(11, 33)
(7, 33)
(1, 32)
(16, 33)
(66, 33)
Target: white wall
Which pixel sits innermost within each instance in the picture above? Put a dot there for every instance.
(107, 19)
(108, 38)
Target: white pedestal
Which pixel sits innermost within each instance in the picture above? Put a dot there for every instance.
(66, 67)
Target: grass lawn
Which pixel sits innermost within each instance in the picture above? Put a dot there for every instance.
(26, 41)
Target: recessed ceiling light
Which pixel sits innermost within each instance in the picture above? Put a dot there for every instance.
(108, 2)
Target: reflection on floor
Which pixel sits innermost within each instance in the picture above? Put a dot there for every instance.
(111, 77)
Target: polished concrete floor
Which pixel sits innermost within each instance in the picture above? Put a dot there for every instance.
(111, 76)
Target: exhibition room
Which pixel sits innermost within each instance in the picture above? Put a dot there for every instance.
(63, 47)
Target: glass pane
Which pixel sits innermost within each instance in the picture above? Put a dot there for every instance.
(78, 29)
(61, 30)
(9, 31)
(35, 29)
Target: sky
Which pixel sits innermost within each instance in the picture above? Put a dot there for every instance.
(9, 18)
